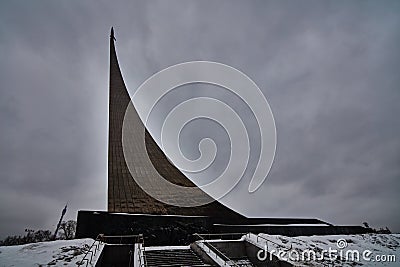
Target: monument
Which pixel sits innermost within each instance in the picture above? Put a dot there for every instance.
(132, 211)
(124, 194)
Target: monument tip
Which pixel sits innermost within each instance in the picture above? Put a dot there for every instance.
(112, 34)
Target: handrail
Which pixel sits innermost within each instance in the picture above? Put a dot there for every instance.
(266, 239)
(266, 243)
(144, 254)
(89, 251)
(140, 254)
(226, 258)
(221, 234)
(279, 245)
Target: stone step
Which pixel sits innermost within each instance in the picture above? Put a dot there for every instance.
(173, 258)
(244, 262)
(234, 260)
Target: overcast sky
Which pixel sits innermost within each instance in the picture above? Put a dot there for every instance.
(329, 69)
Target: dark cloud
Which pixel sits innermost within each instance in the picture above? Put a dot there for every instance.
(328, 69)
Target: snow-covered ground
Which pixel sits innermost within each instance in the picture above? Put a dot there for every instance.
(333, 250)
(337, 250)
(53, 253)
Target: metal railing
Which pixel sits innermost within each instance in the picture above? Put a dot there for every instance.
(141, 253)
(277, 244)
(227, 261)
(268, 240)
(223, 235)
(266, 249)
(120, 239)
(135, 240)
(96, 244)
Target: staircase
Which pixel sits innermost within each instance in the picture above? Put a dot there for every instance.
(237, 257)
(173, 257)
(243, 262)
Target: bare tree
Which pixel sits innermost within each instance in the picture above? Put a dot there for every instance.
(69, 229)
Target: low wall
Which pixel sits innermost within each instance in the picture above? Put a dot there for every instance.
(178, 230)
(156, 229)
(292, 230)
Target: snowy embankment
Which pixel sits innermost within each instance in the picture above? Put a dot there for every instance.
(339, 250)
(53, 253)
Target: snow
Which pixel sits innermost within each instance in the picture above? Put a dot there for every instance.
(71, 252)
(53, 253)
(386, 245)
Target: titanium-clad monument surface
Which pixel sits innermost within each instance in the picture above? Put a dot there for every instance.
(124, 194)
